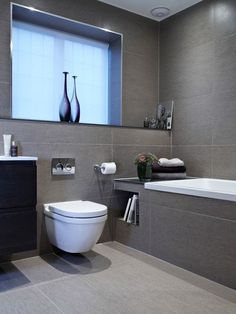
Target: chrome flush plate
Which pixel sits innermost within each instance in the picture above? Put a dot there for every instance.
(63, 166)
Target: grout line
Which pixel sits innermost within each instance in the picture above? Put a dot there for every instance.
(66, 143)
(171, 144)
(211, 161)
(144, 145)
(44, 294)
(158, 63)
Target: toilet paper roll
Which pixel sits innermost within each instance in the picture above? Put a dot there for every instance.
(108, 168)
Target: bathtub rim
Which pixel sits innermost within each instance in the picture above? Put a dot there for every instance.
(180, 187)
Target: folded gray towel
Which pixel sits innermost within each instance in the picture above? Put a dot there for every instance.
(157, 168)
(168, 176)
(174, 162)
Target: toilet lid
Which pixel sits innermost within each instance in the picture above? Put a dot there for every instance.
(79, 209)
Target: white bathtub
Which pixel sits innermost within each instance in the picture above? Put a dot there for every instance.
(211, 188)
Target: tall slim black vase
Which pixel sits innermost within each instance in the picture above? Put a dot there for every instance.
(74, 103)
(65, 109)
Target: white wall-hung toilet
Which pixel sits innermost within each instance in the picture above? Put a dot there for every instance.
(76, 226)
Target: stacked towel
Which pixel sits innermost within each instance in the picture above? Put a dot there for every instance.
(169, 169)
(157, 168)
(174, 162)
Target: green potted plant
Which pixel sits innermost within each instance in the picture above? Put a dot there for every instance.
(144, 163)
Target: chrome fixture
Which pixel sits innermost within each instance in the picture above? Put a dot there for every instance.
(63, 166)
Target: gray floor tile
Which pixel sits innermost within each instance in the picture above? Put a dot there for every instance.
(11, 277)
(86, 263)
(131, 285)
(112, 279)
(38, 270)
(26, 301)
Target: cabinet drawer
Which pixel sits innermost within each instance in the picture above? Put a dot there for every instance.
(17, 184)
(18, 231)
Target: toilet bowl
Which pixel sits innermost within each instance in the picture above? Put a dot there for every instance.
(76, 226)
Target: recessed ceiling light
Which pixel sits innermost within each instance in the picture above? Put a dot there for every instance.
(160, 12)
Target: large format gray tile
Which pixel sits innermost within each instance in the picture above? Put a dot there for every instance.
(182, 238)
(197, 159)
(140, 97)
(224, 17)
(195, 204)
(187, 73)
(64, 133)
(132, 285)
(189, 28)
(85, 263)
(132, 282)
(5, 110)
(223, 162)
(11, 277)
(193, 121)
(224, 113)
(26, 301)
(224, 66)
(142, 41)
(140, 136)
(37, 270)
(5, 10)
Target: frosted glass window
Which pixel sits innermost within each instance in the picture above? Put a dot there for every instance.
(40, 55)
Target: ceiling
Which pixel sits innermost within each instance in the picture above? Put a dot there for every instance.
(144, 7)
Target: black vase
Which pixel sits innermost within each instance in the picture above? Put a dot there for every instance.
(74, 103)
(65, 109)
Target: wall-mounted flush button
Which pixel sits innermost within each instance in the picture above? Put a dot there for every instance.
(68, 167)
(59, 166)
(63, 166)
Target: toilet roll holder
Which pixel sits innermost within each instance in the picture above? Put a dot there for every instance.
(104, 168)
(98, 168)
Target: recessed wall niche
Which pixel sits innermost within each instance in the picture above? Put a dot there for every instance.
(45, 45)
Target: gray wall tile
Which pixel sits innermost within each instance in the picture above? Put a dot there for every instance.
(223, 162)
(58, 133)
(224, 17)
(223, 127)
(224, 65)
(140, 97)
(182, 30)
(197, 70)
(140, 137)
(192, 123)
(186, 73)
(197, 159)
(194, 204)
(182, 238)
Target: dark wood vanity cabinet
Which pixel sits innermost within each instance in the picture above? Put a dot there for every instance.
(18, 218)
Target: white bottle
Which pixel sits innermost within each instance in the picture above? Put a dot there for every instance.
(7, 144)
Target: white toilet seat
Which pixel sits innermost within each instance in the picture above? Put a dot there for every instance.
(77, 209)
(74, 220)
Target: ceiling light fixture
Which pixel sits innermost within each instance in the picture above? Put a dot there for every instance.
(160, 12)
